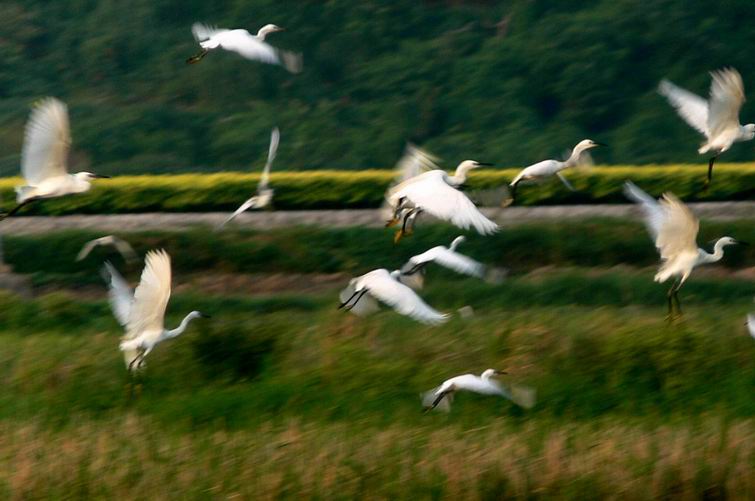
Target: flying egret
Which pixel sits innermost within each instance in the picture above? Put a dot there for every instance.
(674, 229)
(547, 168)
(44, 157)
(449, 258)
(264, 193)
(717, 118)
(250, 46)
(751, 324)
(142, 312)
(442, 396)
(436, 192)
(360, 295)
(123, 247)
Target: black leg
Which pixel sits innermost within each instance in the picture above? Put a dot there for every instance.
(362, 293)
(400, 233)
(511, 198)
(17, 208)
(198, 57)
(347, 301)
(436, 401)
(710, 173)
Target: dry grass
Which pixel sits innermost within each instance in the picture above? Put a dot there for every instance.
(132, 458)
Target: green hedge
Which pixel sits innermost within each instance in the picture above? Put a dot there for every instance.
(365, 189)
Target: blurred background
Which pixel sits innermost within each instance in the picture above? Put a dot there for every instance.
(279, 394)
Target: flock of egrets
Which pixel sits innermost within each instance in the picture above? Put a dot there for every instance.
(421, 188)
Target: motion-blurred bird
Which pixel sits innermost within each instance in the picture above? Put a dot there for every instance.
(751, 324)
(437, 193)
(442, 396)
(142, 312)
(264, 193)
(674, 229)
(242, 42)
(44, 157)
(449, 258)
(360, 295)
(123, 247)
(717, 118)
(547, 168)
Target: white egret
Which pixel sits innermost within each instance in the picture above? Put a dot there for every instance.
(44, 157)
(436, 193)
(412, 163)
(142, 312)
(264, 193)
(547, 168)
(123, 247)
(718, 117)
(242, 42)
(442, 396)
(360, 295)
(751, 324)
(449, 258)
(674, 229)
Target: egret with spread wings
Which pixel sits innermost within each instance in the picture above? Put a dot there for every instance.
(253, 47)
(484, 384)
(44, 157)
(674, 230)
(717, 118)
(142, 312)
(264, 193)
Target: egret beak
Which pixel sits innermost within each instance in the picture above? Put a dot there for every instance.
(204, 315)
(498, 373)
(486, 164)
(100, 176)
(740, 242)
(599, 144)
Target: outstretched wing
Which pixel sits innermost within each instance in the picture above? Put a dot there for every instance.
(727, 94)
(124, 249)
(678, 231)
(120, 294)
(691, 107)
(204, 32)
(86, 249)
(436, 197)
(46, 142)
(652, 211)
(751, 324)
(151, 296)
(429, 397)
(448, 259)
(272, 151)
(401, 298)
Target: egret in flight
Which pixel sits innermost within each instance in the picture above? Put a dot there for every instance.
(242, 42)
(485, 384)
(436, 192)
(449, 258)
(674, 229)
(547, 168)
(142, 312)
(264, 193)
(717, 118)
(123, 247)
(361, 294)
(751, 324)
(44, 157)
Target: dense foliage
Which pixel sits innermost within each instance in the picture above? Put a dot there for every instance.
(509, 82)
(349, 190)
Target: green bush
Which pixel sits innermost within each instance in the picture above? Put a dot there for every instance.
(366, 189)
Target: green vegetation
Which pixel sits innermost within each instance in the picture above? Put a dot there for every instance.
(349, 190)
(508, 82)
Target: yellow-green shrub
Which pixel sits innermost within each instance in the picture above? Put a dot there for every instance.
(364, 189)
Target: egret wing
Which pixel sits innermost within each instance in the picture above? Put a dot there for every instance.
(46, 142)
(86, 249)
(654, 214)
(451, 260)
(401, 298)
(430, 192)
(151, 296)
(691, 107)
(727, 95)
(204, 32)
(252, 202)
(251, 47)
(678, 231)
(414, 162)
(120, 294)
(751, 324)
(272, 152)
(124, 249)
(565, 181)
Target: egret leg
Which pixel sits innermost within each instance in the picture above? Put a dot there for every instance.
(400, 233)
(348, 300)
(511, 198)
(436, 401)
(17, 208)
(710, 173)
(197, 57)
(362, 293)
(396, 218)
(413, 219)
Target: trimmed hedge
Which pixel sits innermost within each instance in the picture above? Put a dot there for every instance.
(365, 189)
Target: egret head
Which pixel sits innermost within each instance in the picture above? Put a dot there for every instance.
(749, 131)
(467, 165)
(267, 29)
(456, 242)
(198, 314)
(587, 144)
(724, 241)
(491, 373)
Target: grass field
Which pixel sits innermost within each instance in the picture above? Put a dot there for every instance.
(280, 395)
